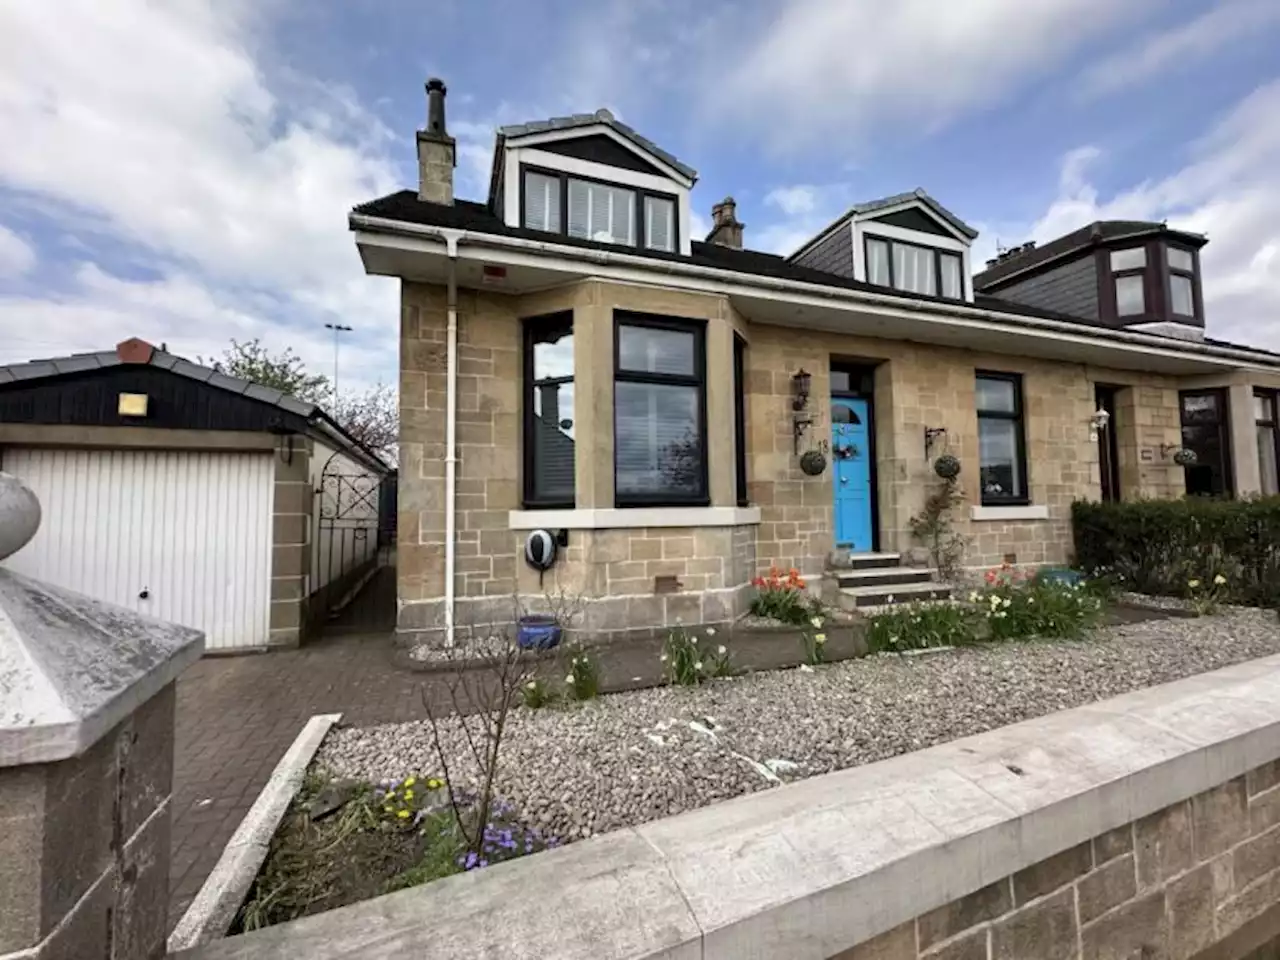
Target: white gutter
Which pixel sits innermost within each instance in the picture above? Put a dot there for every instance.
(451, 436)
(1147, 342)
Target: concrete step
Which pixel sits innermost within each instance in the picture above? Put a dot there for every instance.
(844, 560)
(885, 595)
(883, 576)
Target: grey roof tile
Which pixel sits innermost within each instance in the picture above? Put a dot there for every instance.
(257, 391)
(588, 119)
(193, 370)
(77, 363)
(5, 375)
(163, 360)
(33, 370)
(922, 195)
(294, 405)
(232, 384)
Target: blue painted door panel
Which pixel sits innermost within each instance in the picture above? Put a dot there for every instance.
(851, 473)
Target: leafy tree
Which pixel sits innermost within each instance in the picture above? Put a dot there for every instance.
(250, 360)
(372, 416)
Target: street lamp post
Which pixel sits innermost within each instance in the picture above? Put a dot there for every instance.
(337, 329)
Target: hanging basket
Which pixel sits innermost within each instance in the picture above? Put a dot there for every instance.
(813, 463)
(947, 467)
(1185, 457)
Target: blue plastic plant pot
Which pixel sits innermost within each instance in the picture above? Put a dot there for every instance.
(1060, 575)
(537, 632)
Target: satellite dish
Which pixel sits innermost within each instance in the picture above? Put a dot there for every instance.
(540, 550)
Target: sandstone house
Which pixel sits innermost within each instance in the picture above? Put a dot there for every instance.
(572, 359)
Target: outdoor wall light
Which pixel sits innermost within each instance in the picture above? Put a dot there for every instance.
(1098, 422)
(800, 384)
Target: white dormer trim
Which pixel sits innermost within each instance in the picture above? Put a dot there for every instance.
(863, 225)
(524, 154)
(577, 133)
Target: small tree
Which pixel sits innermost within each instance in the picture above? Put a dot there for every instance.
(250, 360)
(372, 417)
(933, 526)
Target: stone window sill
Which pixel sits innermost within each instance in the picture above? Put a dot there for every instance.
(619, 518)
(1028, 512)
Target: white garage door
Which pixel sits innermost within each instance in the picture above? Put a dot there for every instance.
(180, 536)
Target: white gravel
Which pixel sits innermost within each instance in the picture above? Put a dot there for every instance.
(631, 757)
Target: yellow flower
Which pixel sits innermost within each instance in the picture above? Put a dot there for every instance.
(410, 781)
(1193, 584)
(434, 784)
(1219, 580)
(403, 814)
(387, 808)
(408, 795)
(819, 638)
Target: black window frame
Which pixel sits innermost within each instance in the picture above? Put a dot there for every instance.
(740, 419)
(1263, 393)
(638, 193)
(1223, 424)
(1020, 439)
(1190, 276)
(631, 318)
(938, 254)
(530, 497)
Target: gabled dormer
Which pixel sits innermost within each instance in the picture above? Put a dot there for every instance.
(591, 177)
(908, 242)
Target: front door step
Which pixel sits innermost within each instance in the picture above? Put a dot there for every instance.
(882, 576)
(849, 560)
(885, 595)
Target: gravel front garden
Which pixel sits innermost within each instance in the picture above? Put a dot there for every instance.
(583, 768)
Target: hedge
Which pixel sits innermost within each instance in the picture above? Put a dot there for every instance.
(1157, 546)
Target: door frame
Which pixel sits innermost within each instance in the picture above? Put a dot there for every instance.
(859, 373)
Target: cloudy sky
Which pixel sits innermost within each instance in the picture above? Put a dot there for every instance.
(181, 170)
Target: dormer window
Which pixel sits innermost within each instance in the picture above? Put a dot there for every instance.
(914, 268)
(1182, 276)
(1129, 271)
(595, 210)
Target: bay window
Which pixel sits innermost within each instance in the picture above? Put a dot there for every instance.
(1002, 443)
(603, 212)
(1266, 404)
(659, 443)
(548, 411)
(914, 268)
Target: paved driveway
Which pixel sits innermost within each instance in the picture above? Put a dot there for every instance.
(237, 717)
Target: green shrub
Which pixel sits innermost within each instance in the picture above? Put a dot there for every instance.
(922, 626)
(1159, 546)
(583, 680)
(686, 663)
(536, 694)
(1019, 607)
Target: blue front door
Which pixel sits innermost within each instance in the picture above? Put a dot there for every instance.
(851, 460)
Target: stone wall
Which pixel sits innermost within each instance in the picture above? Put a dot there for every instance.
(916, 386)
(1169, 885)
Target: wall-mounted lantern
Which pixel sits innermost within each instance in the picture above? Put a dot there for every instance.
(801, 421)
(800, 384)
(1098, 422)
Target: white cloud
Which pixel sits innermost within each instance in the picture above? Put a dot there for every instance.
(792, 200)
(151, 130)
(1230, 190)
(16, 255)
(1179, 46)
(835, 68)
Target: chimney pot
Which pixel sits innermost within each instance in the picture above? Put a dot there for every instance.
(726, 231)
(437, 155)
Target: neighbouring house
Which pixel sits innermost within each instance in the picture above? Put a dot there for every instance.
(189, 495)
(572, 359)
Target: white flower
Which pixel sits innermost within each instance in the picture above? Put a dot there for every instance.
(693, 640)
(722, 651)
(816, 621)
(711, 631)
(973, 596)
(1000, 615)
(532, 685)
(1031, 600)
(697, 665)
(663, 658)
(1219, 580)
(569, 679)
(1007, 602)
(819, 638)
(889, 598)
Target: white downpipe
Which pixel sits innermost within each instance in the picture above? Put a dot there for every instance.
(451, 438)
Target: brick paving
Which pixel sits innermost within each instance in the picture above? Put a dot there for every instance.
(237, 717)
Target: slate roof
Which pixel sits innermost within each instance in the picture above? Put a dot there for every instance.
(103, 359)
(871, 206)
(1098, 232)
(590, 119)
(405, 206)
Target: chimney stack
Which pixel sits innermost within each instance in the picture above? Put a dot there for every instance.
(437, 155)
(726, 231)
